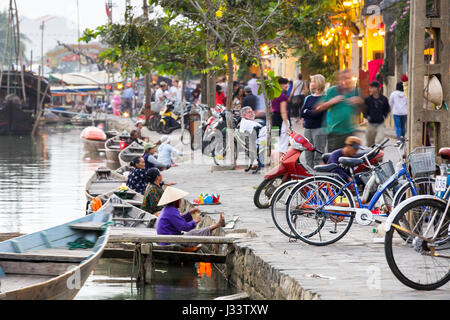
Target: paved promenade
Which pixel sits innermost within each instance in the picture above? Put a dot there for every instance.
(353, 268)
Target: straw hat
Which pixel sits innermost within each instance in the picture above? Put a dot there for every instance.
(435, 94)
(170, 195)
(149, 145)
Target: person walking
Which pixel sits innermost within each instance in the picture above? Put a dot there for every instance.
(280, 117)
(399, 106)
(377, 109)
(340, 103)
(313, 122)
(297, 97)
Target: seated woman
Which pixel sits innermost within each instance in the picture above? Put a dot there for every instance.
(137, 179)
(166, 150)
(150, 160)
(153, 192)
(170, 222)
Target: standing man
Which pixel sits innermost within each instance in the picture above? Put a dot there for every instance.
(160, 96)
(175, 91)
(250, 99)
(340, 102)
(376, 112)
(127, 100)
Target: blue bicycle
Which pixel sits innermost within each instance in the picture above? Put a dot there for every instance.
(320, 210)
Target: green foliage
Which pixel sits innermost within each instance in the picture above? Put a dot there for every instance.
(273, 88)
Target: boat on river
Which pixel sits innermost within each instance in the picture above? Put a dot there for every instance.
(53, 264)
(114, 145)
(125, 214)
(128, 154)
(103, 180)
(93, 139)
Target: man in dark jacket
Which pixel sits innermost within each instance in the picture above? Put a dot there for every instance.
(377, 110)
(250, 100)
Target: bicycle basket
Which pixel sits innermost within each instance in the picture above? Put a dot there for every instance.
(422, 161)
(384, 171)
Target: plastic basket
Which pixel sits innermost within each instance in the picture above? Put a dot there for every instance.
(422, 161)
(384, 171)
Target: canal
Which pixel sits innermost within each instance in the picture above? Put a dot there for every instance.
(42, 183)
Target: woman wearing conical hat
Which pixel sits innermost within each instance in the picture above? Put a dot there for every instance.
(171, 222)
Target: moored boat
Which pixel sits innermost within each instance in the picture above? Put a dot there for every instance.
(114, 146)
(93, 139)
(125, 214)
(104, 180)
(53, 264)
(128, 154)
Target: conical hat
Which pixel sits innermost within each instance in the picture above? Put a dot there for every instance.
(170, 195)
(435, 94)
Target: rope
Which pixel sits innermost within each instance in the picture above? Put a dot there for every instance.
(106, 224)
(80, 243)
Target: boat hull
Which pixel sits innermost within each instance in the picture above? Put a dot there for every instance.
(93, 145)
(64, 287)
(14, 121)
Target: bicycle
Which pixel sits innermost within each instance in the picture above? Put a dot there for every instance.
(319, 199)
(422, 260)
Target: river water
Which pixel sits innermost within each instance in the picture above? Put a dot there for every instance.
(42, 183)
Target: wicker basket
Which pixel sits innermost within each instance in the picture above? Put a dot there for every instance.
(422, 161)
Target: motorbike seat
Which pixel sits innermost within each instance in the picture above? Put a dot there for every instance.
(445, 153)
(326, 168)
(350, 162)
(326, 157)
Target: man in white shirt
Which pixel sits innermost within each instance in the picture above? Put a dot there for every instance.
(160, 95)
(175, 91)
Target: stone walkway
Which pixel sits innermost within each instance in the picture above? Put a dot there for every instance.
(353, 268)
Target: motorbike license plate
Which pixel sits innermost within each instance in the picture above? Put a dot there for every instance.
(441, 183)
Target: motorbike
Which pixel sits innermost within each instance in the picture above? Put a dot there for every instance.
(169, 119)
(290, 168)
(215, 136)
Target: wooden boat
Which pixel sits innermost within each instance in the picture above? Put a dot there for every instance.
(40, 266)
(82, 120)
(104, 180)
(124, 214)
(129, 196)
(93, 139)
(128, 154)
(112, 149)
(125, 170)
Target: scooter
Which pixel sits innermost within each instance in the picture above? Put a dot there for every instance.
(169, 119)
(290, 168)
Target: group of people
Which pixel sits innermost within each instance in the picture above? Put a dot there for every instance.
(160, 197)
(329, 117)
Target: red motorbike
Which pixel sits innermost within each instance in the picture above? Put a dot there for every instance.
(290, 168)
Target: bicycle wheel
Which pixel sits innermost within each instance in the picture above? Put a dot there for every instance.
(311, 224)
(278, 207)
(412, 261)
(424, 186)
(265, 190)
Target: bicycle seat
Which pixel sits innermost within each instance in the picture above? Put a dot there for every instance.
(326, 168)
(445, 153)
(350, 162)
(326, 157)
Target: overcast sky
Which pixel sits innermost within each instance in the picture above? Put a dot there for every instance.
(92, 12)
